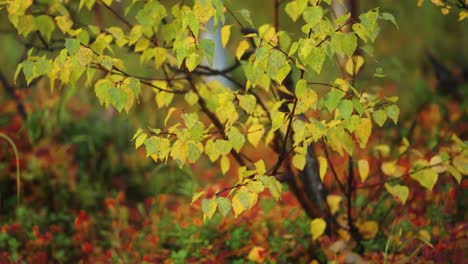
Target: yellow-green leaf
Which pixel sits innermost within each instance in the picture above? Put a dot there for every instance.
(363, 131)
(379, 117)
(225, 164)
(426, 177)
(224, 205)
(461, 163)
(209, 207)
(455, 173)
(299, 161)
(400, 192)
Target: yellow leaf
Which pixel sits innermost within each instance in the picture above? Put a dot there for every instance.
(225, 164)
(363, 131)
(333, 202)
(317, 227)
(255, 133)
(237, 206)
(323, 166)
(363, 167)
(180, 151)
(243, 200)
(390, 168)
(355, 63)
(400, 192)
(368, 229)
(257, 254)
(462, 15)
(225, 34)
(243, 46)
(260, 167)
(425, 236)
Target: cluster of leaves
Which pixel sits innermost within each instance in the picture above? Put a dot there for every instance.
(448, 5)
(263, 111)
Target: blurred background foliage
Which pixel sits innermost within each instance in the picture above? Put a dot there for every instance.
(85, 185)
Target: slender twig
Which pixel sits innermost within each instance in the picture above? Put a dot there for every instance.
(115, 13)
(332, 167)
(11, 91)
(282, 155)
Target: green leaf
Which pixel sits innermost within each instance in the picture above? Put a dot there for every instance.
(246, 15)
(426, 177)
(209, 207)
(361, 31)
(393, 111)
(192, 22)
(277, 120)
(46, 26)
(313, 15)
(101, 89)
(344, 43)
(192, 61)
(345, 109)
(224, 205)
(379, 117)
(72, 46)
(282, 73)
(295, 8)
(276, 60)
(316, 59)
(400, 192)
(301, 88)
(236, 138)
(152, 145)
(389, 17)
(118, 98)
(332, 99)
